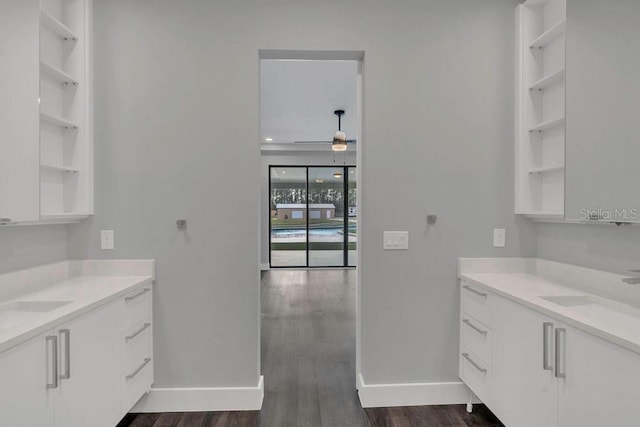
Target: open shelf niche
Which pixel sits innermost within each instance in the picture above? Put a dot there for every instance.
(66, 145)
(540, 104)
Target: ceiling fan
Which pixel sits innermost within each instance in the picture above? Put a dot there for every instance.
(340, 140)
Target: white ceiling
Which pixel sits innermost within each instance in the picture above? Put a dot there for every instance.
(297, 99)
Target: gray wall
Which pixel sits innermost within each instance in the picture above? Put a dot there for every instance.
(176, 93)
(29, 246)
(296, 159)
(603, 247)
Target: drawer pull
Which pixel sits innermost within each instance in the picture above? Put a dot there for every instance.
(475, 365)
(474, 327)
(138, 332)
(134, 373)
(470, 289)
(139, 294)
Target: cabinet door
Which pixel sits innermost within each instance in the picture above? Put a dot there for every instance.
(89, 366)
(25, 370)
(19, 110)
(601, 385)
(523, 393)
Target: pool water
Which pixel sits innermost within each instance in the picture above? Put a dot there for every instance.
(301, 232)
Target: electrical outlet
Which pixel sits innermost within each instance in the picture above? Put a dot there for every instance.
(499, 238)
(106, 239)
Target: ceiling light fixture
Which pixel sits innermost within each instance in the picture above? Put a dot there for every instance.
(268, 139)
(337, 175)
(340, 138)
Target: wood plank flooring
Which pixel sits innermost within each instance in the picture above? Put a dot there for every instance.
(308, 361)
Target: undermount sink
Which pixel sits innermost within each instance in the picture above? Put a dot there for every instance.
(14, 313)
(598, 308)
(570, 300)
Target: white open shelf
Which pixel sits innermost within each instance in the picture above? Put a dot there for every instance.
(66, 143)
(59, 121)
(540, 103)
(57, 74)
(57, 27)
(549, 124)
(549, 80)
(57, 168)
(550, 35)
(546, 169)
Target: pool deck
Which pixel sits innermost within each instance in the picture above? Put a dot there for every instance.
(316, 258)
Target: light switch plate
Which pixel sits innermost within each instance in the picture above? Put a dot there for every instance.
(395, 240)
(499, 237)
(106, 239)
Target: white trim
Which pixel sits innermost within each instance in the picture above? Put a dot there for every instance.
(196, 399)
(265, 266)
(413, 394)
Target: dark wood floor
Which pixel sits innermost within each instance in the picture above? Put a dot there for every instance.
(308, 361)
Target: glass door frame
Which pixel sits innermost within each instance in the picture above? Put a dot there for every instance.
(345, 214)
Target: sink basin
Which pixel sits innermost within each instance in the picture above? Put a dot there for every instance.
(570, 301)
(598, 308)
(14, 313)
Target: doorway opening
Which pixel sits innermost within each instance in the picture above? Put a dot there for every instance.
(313, 216)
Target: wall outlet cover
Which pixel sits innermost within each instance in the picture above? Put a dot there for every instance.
(106, 240)
(499, 238)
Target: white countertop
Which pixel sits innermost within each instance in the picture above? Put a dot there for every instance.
(617, 322)
(85, 292)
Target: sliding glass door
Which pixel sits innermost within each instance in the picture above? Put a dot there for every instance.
(312, 216)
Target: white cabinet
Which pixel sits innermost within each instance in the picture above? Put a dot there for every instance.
(525, 390)
(540, 108)
(19, 149)
(542, 372)
(90, 371)
(88, 390)
(46, 136)
(601, 386)
(27, 372)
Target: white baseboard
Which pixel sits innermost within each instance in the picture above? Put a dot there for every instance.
(202, 399)
(264, 266)
(412, 394)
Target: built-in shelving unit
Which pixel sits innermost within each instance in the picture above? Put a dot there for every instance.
(540, 120)
(66, 146)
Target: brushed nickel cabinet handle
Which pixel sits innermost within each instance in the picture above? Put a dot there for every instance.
(54, 361)
(547, 328)
(474, 327)
(560, 353)
(470, 289)
(67, 353)
(139, 294)
(475, 365)
(138, 332)
(134, 373)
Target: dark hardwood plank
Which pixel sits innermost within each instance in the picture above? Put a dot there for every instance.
(308, 360)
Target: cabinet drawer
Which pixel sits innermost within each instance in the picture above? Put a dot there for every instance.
(136, 381)
(137, 307)
(136, 343)
(477, 303)
(475, 374)
(477, 337)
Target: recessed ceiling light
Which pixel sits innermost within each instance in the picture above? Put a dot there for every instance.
(268, 139)
(319, 181)
(284, 171)
(352, 172)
